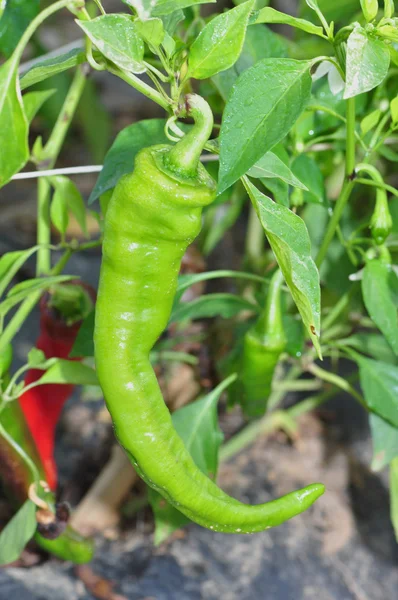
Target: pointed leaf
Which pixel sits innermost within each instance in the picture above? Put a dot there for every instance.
(13, 123)
(263, 105)
(290, 242)
(33, 101)
(220, 43)
(47, 67)
(17, 533)
(379, 382)
(166, 7)
(368, 59)
(377, 296)
(385, 441)
(270, 15)
(117, 38)
(270, 165)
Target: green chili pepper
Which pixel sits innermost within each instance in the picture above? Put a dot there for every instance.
(153, 215)
(263, 344)
(68, 546)
(369, 9)
(381, 220)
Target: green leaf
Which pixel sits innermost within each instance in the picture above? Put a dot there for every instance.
(197, 425)
(290, 242)
(372, 344)
(378, 300)
(10, 263)
(166, 7)
(17, 533)
(270, 15)
(59, 213)
(120, 157)
(13, 123)
(385, 441)
(33, 101)
(394, 495)
(368, 60)
(370, 121)
(48, 67)
(20, 291)
(152, 31)
(294, 333)
(369, 9)
(84, 342)
(270, 165)
(142, 7)
(117, 38)
(220, 43)
(263, 105)
(36, 357)
(69, 371)
(279, 190)
(379, 382)
(13, 22)
(72, 198)
(211, 305)
(307, 170)
(260, 42)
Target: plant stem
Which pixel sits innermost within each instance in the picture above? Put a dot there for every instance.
(184, 157)
(348, 183)
(54, 144)
(43, 263)
(28, 461)
(142, 87)
(338, 381)
(382, 185)
(337, 309)
(48, 157)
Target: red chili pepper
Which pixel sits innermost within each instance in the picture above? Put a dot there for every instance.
(42, 405)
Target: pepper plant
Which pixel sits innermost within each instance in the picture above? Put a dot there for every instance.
(293, 138)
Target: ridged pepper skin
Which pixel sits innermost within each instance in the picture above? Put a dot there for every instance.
(152, 217)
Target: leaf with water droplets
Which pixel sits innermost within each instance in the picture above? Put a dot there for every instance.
(263, 105)
(166, 7)
(368, 60)
(117, 38)
(220, 43)
(290, 242)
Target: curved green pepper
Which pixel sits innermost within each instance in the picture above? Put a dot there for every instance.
(153, 215)
(263, 344)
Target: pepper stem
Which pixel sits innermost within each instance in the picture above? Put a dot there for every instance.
(185, 155)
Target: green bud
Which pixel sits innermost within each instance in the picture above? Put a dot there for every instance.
(388, 32)
(369, 9)
(381, 221)
(389, 8)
